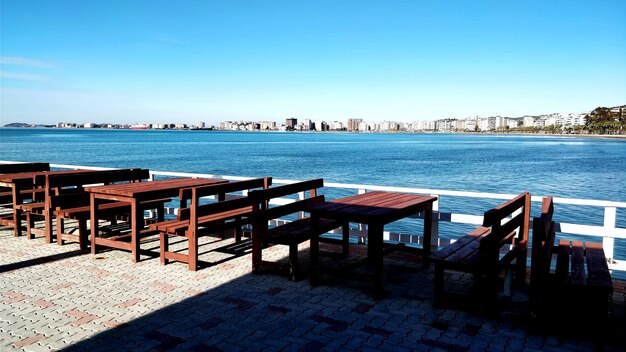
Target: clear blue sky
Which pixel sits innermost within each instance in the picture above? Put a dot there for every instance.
(186, 61)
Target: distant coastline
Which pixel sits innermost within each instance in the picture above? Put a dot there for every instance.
(485, 133)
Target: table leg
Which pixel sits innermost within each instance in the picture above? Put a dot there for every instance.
(314, 252)
(17, 213)
(94, 222)
(345, 238)
(47, 220)
(375, 257)
(428, 229)
(136, 218)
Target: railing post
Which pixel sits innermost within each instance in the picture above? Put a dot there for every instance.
(608, 243)
(301, 196)
(361, 226)
(151, 214)
(434, 240)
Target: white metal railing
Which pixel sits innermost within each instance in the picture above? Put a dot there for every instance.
(609, 231)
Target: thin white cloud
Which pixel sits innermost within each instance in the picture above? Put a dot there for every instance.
(24, 76)
(23, 61)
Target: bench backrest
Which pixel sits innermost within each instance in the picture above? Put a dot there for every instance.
(514, 231)
(65, 191)
(266, 195)
(262, 198)
(98, 177)
(185, 195)
(23, 167)
(544, 233)
(69, 200)
(194, 194)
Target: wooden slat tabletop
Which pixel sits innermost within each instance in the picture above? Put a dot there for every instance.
(135, 190)
(377, 206)
(11, 178)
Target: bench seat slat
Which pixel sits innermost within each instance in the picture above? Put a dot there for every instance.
(598, 274)
(180, 227)
(84, 211)
(298, 231)
(32, 207)
(445, 252)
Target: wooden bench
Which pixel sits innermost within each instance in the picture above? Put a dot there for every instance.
(485, 252)
(580, 284)
(289, 233)
(205, 219)
(66, 199)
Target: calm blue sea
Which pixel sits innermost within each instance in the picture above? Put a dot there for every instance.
(559, 166)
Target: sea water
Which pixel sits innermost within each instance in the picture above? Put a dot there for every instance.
(572, 167)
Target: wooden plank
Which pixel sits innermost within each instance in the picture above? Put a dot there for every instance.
(220, 207)
(30, 176)
(170, 187)
(577, 269)
(382, 207)
(180, 257)
(443, 253)
(562, 261)
(284, 190)
(299, 231)
(276, 212)
(213, 189)
(493, 216)
(99, 176)
(101, 241)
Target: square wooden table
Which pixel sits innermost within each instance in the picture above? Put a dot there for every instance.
(20, 182)
(375, 209)
(135, 194)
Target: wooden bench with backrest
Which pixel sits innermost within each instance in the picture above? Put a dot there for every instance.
(579, 286)
(6, 195)
(290, 233)
(205, 219)
(501, 243)
(66, 199)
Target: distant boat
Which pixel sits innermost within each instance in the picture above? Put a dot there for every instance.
(139, 126)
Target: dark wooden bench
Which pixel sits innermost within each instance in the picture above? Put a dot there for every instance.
(65, 198)
(580, 284)
(206, 219)
(290, 233)
(488, 250)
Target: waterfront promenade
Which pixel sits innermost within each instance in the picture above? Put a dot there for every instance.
(56, 298)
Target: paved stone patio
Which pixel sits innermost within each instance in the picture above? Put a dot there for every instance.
(57, 298)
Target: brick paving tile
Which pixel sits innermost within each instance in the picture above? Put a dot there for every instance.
(62, 300)
(29, 341)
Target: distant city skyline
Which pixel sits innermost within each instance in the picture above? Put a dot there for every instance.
(182, 62)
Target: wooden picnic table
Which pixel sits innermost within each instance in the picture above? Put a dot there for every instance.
(25, 181)
(375, 209)
(13, 168)
(135, 194)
